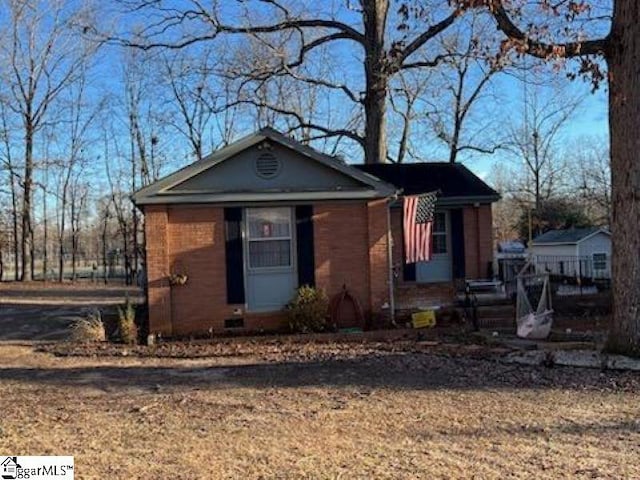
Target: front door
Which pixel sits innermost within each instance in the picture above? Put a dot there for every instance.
(270, 258)
(439, 268)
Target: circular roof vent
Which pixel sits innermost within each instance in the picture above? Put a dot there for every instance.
(267, 165)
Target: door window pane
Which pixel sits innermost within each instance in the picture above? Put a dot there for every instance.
(269, 223)
(269, 237)
(270, 253)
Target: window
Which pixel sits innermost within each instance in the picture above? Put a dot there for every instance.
(440, 233)
(599, 261)
(269, 237)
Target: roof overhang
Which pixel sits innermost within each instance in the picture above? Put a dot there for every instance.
(261, 197)
(463, 201)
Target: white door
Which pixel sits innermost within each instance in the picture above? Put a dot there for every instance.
(270, 258)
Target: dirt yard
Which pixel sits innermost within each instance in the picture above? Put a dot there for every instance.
(282, 409)
(39, 311)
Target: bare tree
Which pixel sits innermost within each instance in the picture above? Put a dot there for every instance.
(78, 202)
(388, 42)
(42, 57)
(610, 34)
(590, 159)
(410, 90)
(465, 76)
(13, 180)
(80, 115)
(191, 85)
(534, 141)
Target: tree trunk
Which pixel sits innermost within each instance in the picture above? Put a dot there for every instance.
(104, 248)
(377, 81)
(45, 256)
(27, 233)
(14, 232)
(455, 140)
(624, 112)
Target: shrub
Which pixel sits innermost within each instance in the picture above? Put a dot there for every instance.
(127, 323)
(89, 329)
(307, 312)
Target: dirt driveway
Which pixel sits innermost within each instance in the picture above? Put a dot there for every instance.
(36, 311)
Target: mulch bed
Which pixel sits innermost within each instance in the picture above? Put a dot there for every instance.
(292, 348)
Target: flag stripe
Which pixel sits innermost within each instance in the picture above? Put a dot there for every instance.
(418, 227)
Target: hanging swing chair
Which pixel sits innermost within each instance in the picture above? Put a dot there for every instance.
(533, 289)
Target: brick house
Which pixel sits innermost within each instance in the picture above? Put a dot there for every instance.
(229, 238)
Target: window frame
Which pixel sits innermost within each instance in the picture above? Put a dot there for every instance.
(249, 240)
(440, 233)
(595, 262)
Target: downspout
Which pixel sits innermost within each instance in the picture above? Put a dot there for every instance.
(392, 301)
(478, 250)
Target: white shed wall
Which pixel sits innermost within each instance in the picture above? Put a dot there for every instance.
(600, 243)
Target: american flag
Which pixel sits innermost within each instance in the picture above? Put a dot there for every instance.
(418, 226)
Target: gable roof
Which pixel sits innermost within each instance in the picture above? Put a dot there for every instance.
(453, 180)
(568, 236)
(160, 191)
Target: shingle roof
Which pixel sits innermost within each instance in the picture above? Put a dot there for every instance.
(452, 179)
(571, 235)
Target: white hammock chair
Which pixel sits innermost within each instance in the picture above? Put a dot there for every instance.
(533, 324)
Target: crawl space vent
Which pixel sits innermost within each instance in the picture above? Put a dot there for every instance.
(267, 165)
(237, 322)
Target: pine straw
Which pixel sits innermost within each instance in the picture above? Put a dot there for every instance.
(375, 414)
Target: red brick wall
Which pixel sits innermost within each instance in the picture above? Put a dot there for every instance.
(478, 240)
(478, 251)
(350, 242)
(378, 254)
(340, 233)
(156, 224)
(196, 247)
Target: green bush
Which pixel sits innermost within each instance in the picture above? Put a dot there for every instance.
(307, 312)
(89, 329)
(127, 323)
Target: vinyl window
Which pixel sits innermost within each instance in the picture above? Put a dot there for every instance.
(440, 233)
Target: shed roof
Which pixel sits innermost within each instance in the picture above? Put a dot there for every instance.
(568, 236)
(453, 180)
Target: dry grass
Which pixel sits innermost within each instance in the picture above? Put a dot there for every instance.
(89, 329)
(363, 413)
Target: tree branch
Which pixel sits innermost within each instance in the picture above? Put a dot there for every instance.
(401, 55)
(539, 49)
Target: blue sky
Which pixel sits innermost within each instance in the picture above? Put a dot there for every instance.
(590, 119)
